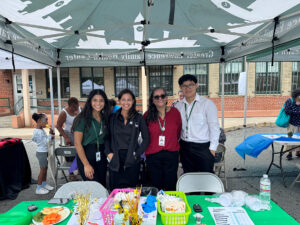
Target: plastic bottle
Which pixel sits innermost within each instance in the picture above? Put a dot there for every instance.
(265, 190)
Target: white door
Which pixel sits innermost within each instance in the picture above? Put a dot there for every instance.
(18, 91)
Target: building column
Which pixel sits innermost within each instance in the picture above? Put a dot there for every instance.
(213, 80)
(286, 78)
(26, 98)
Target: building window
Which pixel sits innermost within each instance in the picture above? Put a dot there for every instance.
(267, 78)
(201, 72)
(161, 76)
(64, 83)
(127, 77)
(231, 77)
(91, 78)
(296, 76)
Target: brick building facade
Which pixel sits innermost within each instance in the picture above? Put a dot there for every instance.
(259, 104)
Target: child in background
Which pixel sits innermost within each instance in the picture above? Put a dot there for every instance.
(42, 140)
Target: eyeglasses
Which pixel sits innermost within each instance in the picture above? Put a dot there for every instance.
(44, 120)
(156, 97)
(187, 86)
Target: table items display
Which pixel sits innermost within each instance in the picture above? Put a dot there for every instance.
(51, 215)
(173, 207)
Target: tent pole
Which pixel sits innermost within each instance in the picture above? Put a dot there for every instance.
(222, 97)
(245, 99)
(144, 89)
(52, 102)
(58, 89)
(26, 97)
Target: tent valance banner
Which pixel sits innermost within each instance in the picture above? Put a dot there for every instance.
(145, 32)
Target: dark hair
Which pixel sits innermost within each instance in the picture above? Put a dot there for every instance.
(132, 111)
(152, 110)
(112, 102)
(37, 116)
(187, 77)
(73, 101)
(295, 93)
(87, 111)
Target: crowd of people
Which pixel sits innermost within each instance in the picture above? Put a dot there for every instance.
(118, 138)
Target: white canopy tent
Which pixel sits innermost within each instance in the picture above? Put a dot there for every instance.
(146, 32)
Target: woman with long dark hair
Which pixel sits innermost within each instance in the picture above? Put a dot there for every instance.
(89, 133)
(122, 147)
(164, 125)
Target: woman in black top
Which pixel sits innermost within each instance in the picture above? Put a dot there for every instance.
(122, 147)
(90, 128)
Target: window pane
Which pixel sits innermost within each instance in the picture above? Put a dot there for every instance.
(267, 78)
(98, 72)
(189, 69)
(296, 76)
(98, 83)
(86, 86)
(86, 72)
(126, 77)
(231, 77)
(161, 76)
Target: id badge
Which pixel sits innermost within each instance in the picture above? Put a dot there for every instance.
(98, 156)
(161, 140)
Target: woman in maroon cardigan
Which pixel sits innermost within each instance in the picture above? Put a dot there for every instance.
(164, 125)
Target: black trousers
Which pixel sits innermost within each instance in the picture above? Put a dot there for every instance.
(196, 157)
(99, 167)
(162, 168)
(124, 178)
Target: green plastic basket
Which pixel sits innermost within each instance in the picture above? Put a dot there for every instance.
(175, 218)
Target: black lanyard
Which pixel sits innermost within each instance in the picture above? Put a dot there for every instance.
(162, 129)
(97, 135)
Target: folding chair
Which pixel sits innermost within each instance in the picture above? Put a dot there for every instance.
(297, 180)
(199, 182)
(219, 165)
(68, 190)
(62, 152)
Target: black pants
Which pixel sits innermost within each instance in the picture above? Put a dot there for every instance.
(196, 157)
(124, 178)
(99, 167)
(163, 167)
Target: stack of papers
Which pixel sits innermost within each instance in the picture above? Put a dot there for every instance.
(230, 216)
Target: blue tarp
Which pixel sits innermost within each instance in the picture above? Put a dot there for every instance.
(255, 144)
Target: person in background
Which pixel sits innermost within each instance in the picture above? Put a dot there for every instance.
(43, 141)
(113, 105)
(292, 108)
(121, 147)
(162, 154)
(66, 117)
(90, 129)
(180, 97)
(200, 128)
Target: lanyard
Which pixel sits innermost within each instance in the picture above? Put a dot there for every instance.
(97, 135)
(188, 117)
(162, 129)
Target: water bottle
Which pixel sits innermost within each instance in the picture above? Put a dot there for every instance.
(265, 190)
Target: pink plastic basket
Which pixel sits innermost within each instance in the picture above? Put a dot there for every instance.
(107, 211)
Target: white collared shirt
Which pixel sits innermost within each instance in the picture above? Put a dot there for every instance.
(203, 125)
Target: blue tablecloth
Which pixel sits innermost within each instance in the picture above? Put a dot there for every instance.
(255, 144)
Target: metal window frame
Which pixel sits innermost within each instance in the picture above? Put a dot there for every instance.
(48, 85)
(126, 78)
(80, 74)
(295, 74)
(225, 76)
(160, 80)
(197, 75)
(268, 92)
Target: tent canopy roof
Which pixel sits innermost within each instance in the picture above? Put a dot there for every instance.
(115, 33)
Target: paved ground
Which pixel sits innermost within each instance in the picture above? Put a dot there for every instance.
(248, 180)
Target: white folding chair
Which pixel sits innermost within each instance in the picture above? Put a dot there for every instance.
(219, 167)
(199, 182)
(68, 190)
(297, 180)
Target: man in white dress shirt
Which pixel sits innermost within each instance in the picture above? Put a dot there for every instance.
(200, 128)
